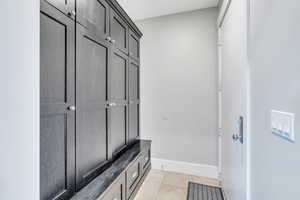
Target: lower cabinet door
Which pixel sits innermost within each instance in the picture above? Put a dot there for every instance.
(57, 89)
(117, 190)
(92, 55)
(145, 160)
(133, 176)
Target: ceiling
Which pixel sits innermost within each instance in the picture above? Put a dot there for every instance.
(142, 9)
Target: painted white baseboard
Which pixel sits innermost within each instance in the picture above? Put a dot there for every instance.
(195, 169)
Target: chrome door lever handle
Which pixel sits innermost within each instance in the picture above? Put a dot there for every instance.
(235, 137)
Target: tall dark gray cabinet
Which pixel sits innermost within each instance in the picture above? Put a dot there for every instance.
(89, 96)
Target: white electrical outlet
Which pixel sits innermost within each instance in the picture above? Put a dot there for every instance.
(282, 124)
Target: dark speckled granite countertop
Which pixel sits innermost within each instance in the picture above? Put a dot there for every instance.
(94, 189)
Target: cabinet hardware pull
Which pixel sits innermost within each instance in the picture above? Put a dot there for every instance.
(146, 158)
(72, 108)
(134, 174)
(108, 39)
(113, 41)
(111, 104)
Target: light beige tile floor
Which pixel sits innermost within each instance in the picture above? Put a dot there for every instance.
(163, 185)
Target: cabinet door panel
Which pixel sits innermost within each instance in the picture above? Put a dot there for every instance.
(133, 132)
(119, 32)
(133, 81)
(118, 77)
(91, 121)
(118, 96)
(94, 15)
(134, 46)
(118, 128)
(57, 124)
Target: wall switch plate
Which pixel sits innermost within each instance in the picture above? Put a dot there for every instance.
(282, 124)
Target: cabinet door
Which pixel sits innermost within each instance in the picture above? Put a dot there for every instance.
(65, 6)
(118, 100)
(134, 102)
(57, 95)
(118, 32)
(116, 191)
(134, 46)
(94, 15)
(93, 56)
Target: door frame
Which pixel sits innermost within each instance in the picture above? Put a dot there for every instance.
(246, 149)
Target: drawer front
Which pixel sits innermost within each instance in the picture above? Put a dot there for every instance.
(145, 160)
(117, 190)
(133, 175)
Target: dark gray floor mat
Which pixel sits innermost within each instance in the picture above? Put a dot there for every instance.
(203, 192)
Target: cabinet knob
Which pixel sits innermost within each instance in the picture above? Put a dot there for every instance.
(134, 175)
(108, 39)
(111, 104)
(113, 41)
(72, 108)
(72, 13)
(146, 158)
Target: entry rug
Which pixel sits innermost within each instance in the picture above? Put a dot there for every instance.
(203, 192)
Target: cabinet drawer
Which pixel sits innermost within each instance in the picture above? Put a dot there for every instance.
(117, 190)
(133, 175)
(145, 160)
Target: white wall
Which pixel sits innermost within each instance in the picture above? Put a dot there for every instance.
(19, 102)
(178, 86)
(275, 84)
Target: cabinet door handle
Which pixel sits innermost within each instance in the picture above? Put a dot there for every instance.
(134, 175)
(108, 39)
(113, 41)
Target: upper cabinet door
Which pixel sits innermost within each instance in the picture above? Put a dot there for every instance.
(118, 32)
(134, 101)
(92, 61)
(134, 46)
(57, 100)
(94, 15)
(65, 6)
